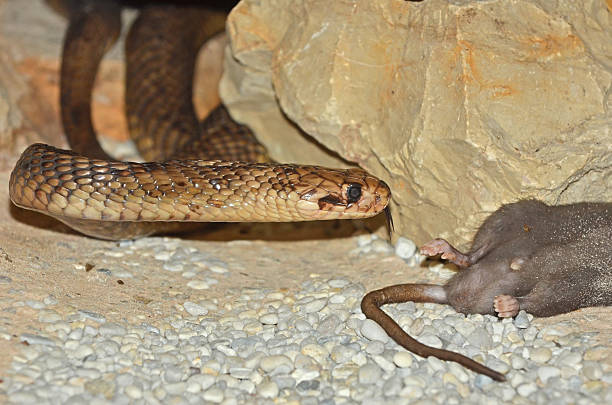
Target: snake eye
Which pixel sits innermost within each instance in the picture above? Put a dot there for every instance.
(353, 193)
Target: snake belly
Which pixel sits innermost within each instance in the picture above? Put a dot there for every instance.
(207, 171)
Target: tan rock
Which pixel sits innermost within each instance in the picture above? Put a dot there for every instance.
(461, 106)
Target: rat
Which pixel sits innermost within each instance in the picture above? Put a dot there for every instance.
(527, 255)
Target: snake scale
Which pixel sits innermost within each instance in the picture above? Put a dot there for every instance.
(207, 171)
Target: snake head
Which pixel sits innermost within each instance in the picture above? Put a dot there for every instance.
(341, 194)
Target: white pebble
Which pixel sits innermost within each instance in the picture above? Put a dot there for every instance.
(373, 331)
(177, 388)
(268, 389)
(204, 380)
(381, 246)
(338, 283)
(431, 340)
(50, 300)
(369, 374)
(218, 269)
(518, 362)
(173, 267)
(198, 285)
(273, 363)
(405, 248)
(525, 390)
(82, 351)
(35, 304)
(403, 359)
(315, 305)
(383, 363)
(49, 316)
(133, 392)
(269, 319)
(540, 354)
(213, 395)
(569, 359)
(375, 347)
(36, 339)
(546, 372)
(163, 255)
(317, 352)
(194, 309)
(592, 370)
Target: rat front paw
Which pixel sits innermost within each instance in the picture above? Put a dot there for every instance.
(506, 306)
(446, 251)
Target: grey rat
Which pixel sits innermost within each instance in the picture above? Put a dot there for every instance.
(527, 255)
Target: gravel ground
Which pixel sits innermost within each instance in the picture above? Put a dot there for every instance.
(305, 344)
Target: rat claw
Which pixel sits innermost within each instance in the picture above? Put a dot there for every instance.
(446, 251)
(506, 306)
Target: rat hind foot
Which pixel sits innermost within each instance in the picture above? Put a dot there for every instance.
(447, 252)
(506, 306)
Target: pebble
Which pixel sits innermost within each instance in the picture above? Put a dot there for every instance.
(518, 362)
(82, 351)
(268, 389)
(194, 309)
(480, 338)
(36, 339)
(405, 248)
(540, 354)
(527, 389)
(92, 315)
(521, 321)
(403, 359)
(431, 340)
(373, 331)
(35, 304)
(381, 246)
(315, 305)
(276, 364)
(218, 269)
(269, 319)
(546, 372)
(592, 370)
(49, 316)
(198, 285)
(173, 267)
(240, 372)
(369, 374)
(213, 395)
(317, 352)
(375, 347)
(133, 392)
(111, 329)
(569, 359)
(383, 363)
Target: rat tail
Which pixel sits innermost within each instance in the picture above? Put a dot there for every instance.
(370, 306)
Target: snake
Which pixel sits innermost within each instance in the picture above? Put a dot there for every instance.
(209, 171)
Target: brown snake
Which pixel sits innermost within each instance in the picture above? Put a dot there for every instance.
(199, 173)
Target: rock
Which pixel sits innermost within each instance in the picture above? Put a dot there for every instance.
(373, 331)
(405, 248)
(473, 90)
(403, 359)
